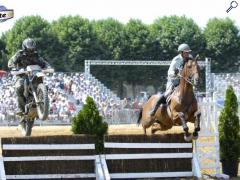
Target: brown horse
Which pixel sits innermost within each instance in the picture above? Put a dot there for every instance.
(180, 109)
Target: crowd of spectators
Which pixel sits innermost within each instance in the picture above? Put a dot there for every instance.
(7, 99)
(222, 81)
(61, 106)
(67, 94)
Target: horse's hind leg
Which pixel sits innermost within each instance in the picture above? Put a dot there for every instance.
(196, 124)
(187, 136)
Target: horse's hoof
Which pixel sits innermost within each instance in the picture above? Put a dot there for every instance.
(188, 137)
(195, 136)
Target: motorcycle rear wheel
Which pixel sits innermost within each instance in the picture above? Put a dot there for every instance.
(43, 105)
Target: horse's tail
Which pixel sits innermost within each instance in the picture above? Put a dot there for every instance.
(140, 116)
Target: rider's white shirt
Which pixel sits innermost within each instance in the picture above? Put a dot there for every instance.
(176, 63)
(173, 79)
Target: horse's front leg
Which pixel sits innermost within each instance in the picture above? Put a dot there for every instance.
(187, 135)
(197, 117)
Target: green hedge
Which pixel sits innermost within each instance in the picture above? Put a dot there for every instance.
(89, 121)
(229, 130)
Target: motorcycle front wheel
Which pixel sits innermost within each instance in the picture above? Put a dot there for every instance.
(43, 105)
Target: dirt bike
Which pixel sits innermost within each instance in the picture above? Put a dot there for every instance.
(36, 96)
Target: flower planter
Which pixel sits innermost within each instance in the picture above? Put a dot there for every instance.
(230, 167)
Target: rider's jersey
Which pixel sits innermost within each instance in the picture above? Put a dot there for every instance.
(22, 60)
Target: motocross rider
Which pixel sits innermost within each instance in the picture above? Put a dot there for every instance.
(27, 56)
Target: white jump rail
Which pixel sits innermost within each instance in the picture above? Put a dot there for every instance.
(98, 171)
(107, 176)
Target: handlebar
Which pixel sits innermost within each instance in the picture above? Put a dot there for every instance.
(22, 71)
(49, 70)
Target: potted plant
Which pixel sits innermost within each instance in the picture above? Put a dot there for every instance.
(229, 134)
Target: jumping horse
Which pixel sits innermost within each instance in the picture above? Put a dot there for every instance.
(181, 106)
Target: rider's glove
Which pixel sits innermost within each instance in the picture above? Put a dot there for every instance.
(176, 71)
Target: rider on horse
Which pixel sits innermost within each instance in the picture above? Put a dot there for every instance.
(176, 67)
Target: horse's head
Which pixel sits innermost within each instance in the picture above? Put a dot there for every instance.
(192, 71)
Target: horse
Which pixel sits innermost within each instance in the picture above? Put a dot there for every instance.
(181, 106)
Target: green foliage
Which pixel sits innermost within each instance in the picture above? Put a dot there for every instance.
(110, 33)
(29, 26)
(138, 40)
(172, 31)
(68, 41)
(37, 28)
(88, 121)
(3, 57)
(229, 130)
(79, 41)
(137, 47)
(223, 43)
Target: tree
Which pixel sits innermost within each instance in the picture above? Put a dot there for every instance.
(88, 121)
(37, 28)
(110, 33)
(3, 57)
(78, 39)
(229, 130)
(172, 31)
(137, 37)
(29, 26)
(223, 44)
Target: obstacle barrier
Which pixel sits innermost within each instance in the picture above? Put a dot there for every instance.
(73, 157)
(60, 157)
(156, 156)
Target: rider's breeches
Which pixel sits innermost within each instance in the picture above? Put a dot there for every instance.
(171, 84)
(19, 85)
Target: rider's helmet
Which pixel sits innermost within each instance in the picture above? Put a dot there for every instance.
(29, 45)
(184, 48)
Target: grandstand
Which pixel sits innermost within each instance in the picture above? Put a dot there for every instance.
(220, 83)
(67, 94)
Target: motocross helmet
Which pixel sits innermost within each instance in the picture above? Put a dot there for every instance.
(29, 45)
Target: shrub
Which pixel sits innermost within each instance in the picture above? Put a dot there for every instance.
(229, 130)
(89, 121)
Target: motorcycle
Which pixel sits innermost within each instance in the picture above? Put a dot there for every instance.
(36, 96)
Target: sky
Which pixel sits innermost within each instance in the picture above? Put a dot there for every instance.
(123, 10)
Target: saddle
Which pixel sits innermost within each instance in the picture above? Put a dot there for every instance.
(169, 97)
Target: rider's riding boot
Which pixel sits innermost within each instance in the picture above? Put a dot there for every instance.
(160, 101)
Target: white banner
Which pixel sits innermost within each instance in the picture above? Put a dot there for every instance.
(6, 14)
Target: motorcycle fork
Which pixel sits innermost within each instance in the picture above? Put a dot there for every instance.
(34, 94)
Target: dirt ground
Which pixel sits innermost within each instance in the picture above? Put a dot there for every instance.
(15, 131)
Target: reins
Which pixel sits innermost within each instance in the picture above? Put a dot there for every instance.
(186, 80)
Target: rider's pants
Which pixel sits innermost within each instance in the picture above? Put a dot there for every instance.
(19, 85)
(171, 84)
